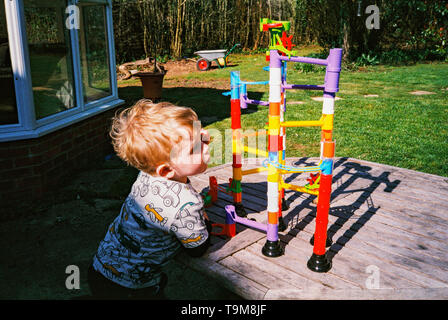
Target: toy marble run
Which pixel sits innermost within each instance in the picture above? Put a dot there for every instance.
(279, 54)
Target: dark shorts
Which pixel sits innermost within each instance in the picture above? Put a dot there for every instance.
(103, 288)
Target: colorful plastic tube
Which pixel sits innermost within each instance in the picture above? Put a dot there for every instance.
(235, 113)
(319, 262)
(272, 246)
(232, 217)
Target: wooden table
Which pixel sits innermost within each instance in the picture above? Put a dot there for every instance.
(389, 228)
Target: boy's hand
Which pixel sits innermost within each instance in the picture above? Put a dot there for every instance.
(204, 214)
(205, 136)
(208, 223)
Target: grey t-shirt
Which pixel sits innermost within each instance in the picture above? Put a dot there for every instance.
(157, 218)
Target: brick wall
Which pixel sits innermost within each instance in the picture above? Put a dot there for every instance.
(30, 169)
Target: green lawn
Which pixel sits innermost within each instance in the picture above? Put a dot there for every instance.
(395, 128)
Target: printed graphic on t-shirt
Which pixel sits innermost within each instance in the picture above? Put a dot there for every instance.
(157, 218)
(154, 214)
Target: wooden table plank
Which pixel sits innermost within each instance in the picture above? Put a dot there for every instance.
(408, 210)
(231, 280)
(296, 263)
(351, 267)
(232, 245)
(422, 280)
(392, 275)
(358, 294)
(248, 270)
(269, 265)
(412, 220)
(380, 216)
(378, 238)
(432, 233)
(345, 239)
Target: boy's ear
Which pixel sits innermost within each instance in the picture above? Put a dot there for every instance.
(165, 171)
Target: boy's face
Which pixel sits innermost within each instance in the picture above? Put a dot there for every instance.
(191, 155)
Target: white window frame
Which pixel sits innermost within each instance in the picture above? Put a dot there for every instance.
(28, 126)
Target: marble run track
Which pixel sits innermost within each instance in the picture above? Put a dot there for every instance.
(280, 53)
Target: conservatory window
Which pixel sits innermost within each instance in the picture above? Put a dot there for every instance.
(54, 73)
(8, 106)
(94, 53)
(49, 47)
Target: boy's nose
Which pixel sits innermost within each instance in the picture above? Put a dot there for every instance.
(205, 136)
(205, 153)
(205, 148)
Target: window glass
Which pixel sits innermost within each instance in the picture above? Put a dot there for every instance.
(94, 52)
(50, 56)
(8, 106)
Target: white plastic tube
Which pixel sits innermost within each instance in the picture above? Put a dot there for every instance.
(275, 83)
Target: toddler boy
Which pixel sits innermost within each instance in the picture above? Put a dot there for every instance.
(162, 213)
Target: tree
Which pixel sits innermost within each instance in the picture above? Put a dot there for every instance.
(179, 27)
(176, 44)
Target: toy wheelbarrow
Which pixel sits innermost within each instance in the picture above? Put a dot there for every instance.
(208, 56)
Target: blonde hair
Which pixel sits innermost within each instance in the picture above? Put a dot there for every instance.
(144, 134)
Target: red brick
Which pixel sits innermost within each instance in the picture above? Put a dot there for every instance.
(66, 146)
(6, 164)
(92, 142)
(22, 194)
(84, 146)
(17, 173)
(61, 158)
(30, 167)
(74, 152)
(27, 161)
(28, 182)
(79, 138)
(15, 144)
(70, 163)
(53, 152)
(43, 167)
(38, 192)
(6, 185)
(41, 148)
(52, 177)
(14, 152)
(82, 128)
(57, 140)
(36, 148)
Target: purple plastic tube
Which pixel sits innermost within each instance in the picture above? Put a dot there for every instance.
(333, 70)
(231, 216)
(258, 102)
(322, 62)
(303, 86)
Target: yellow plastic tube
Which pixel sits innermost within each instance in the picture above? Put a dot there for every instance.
(299, 189)
(252, 171)
(311, 123)
(255, 151)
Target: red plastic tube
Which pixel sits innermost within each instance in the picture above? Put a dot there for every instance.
(323, 209)
(235, 113)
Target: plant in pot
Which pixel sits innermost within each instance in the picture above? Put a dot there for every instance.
(152, 80)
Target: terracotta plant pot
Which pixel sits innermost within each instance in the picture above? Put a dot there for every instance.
(152, 84)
